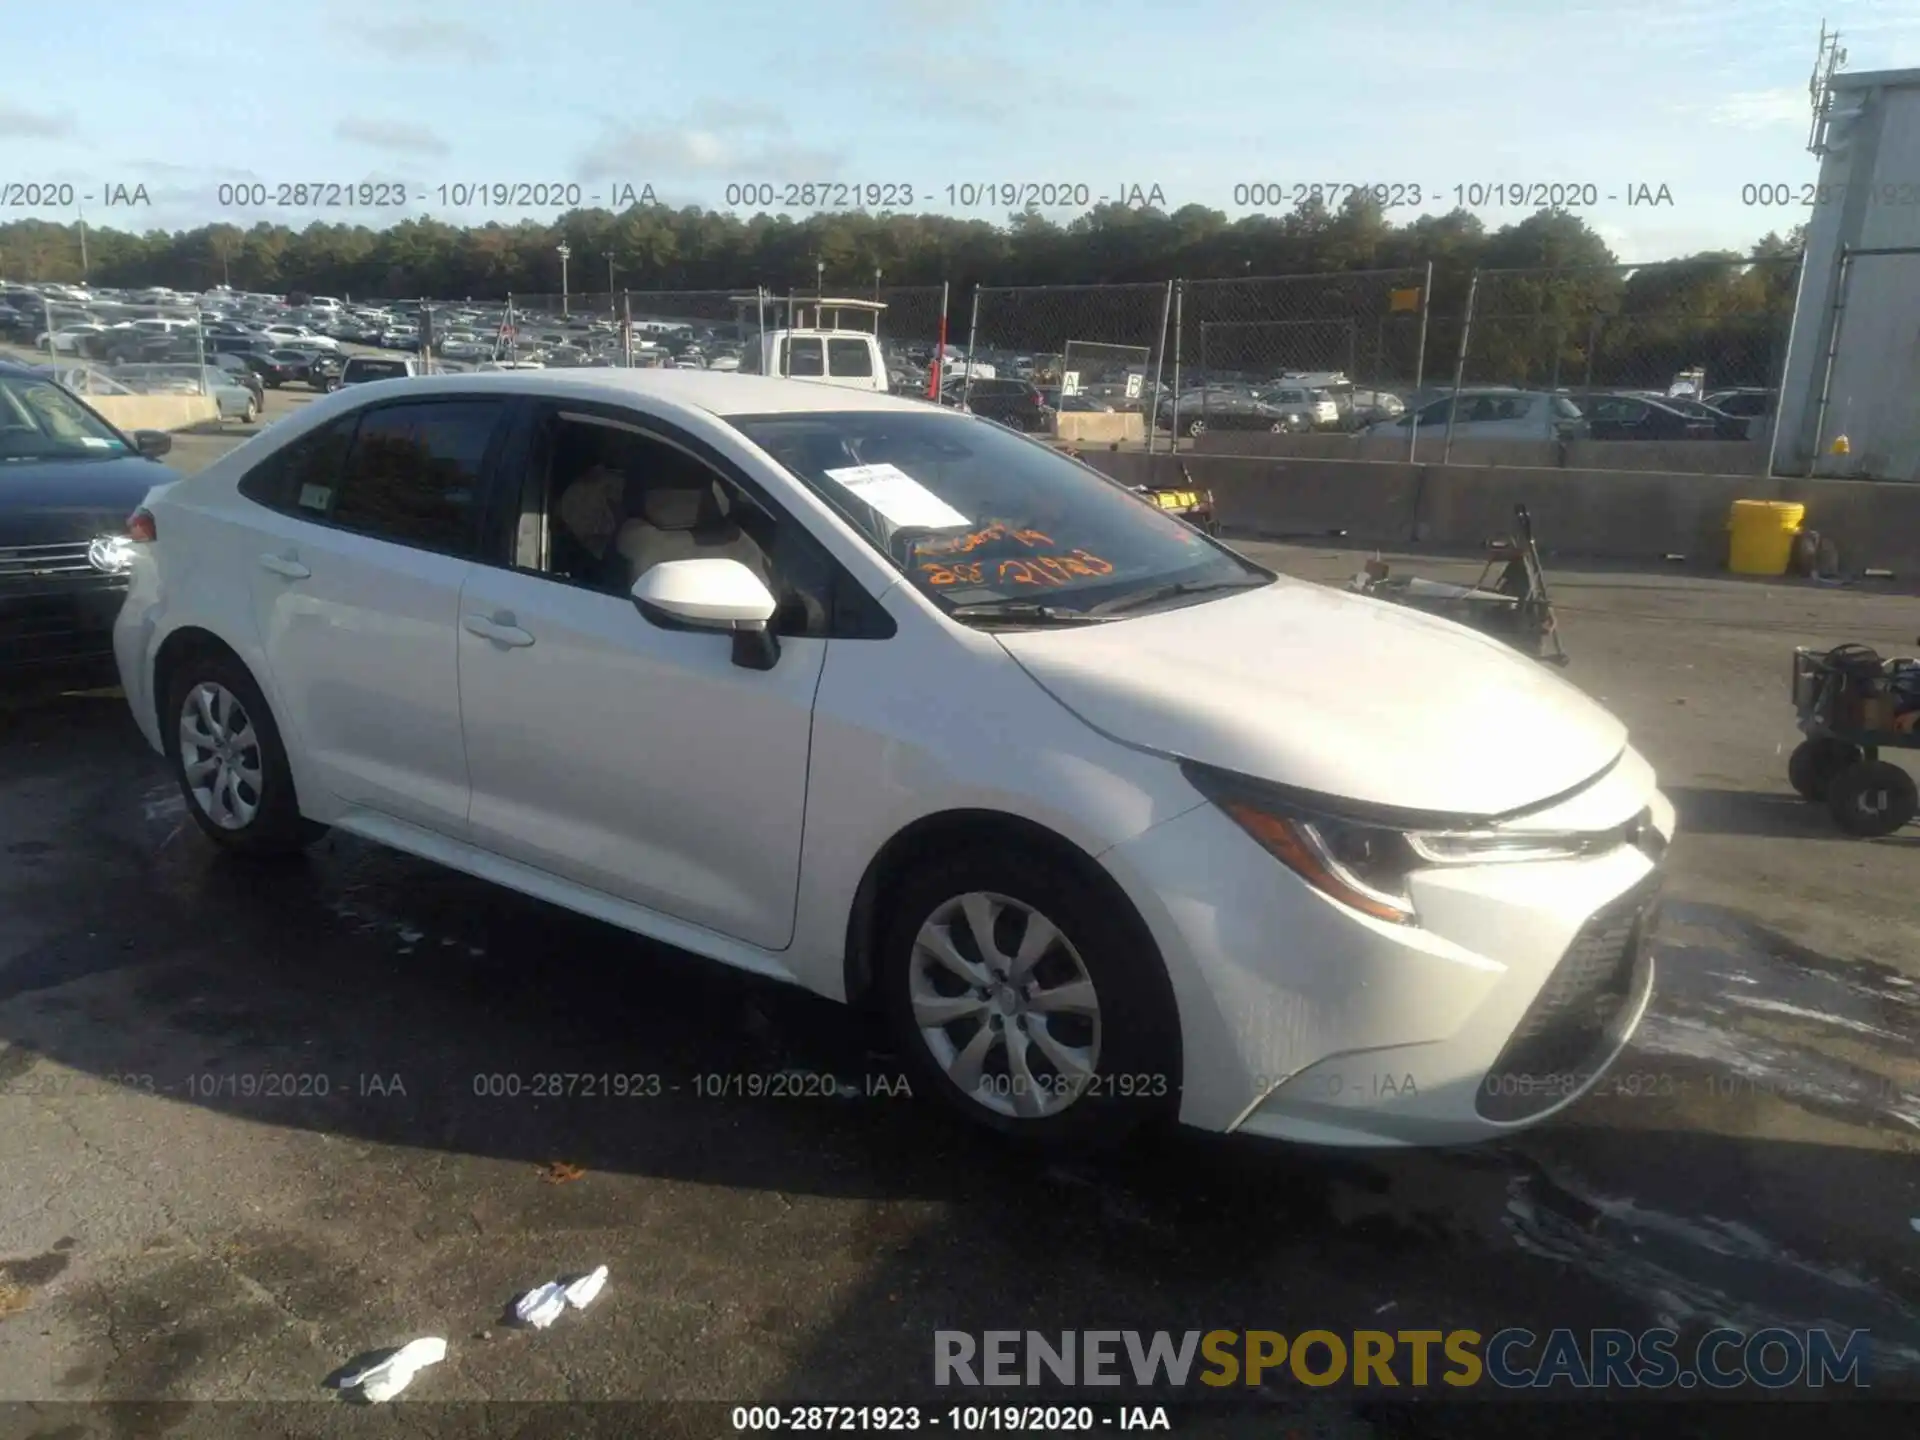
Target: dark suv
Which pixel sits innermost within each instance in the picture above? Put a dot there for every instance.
(1017, 404)
(68, 482)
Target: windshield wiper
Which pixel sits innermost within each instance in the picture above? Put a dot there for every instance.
(1169, 592)
(1025, 612)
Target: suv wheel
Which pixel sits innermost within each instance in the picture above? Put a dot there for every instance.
(1195, 428)
(1019, 997)
(229, 760)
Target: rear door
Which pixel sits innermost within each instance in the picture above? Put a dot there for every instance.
(853, 361)
(368, 537)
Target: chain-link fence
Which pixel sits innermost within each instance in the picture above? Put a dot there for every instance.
(1102, 375)
(1640, 351)
(1330, 351)
(1023, 333)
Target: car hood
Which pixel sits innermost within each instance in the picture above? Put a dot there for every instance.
(1331, 692)
(43, 503)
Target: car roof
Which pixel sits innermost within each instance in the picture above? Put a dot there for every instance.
(718, 393)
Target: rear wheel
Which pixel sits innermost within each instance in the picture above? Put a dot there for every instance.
(1874, 797)
(229, 760)
(1195, 428)
(1019, 997)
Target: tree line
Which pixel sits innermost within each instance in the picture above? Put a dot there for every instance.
(1533, 325)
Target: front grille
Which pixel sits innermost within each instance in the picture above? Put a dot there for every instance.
(1577, 1018)
(23, 562)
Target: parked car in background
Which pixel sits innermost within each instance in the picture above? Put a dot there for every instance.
(276, 368)
(1644, 417)
(68, 482)
(1318, 405)
(360, 369)
(1015, 403)
(241, 373)
(1494, 413)
(1228, 793)
(1748, 403)
(1224, 409)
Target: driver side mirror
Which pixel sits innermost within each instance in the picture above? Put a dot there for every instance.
(723, 596)
(152, 443)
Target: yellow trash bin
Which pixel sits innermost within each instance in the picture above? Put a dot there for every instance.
(1763, 534)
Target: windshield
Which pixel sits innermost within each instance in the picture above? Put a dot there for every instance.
(976, 515)
(40, 421)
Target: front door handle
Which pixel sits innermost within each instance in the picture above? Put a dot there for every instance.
(499, 628)
(285, 565)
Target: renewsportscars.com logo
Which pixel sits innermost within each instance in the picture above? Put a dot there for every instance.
(1513, 1359)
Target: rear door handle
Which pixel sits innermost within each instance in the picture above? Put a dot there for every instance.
(284, 565)
(500, 629)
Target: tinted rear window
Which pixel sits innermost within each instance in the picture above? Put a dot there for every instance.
(376, 369)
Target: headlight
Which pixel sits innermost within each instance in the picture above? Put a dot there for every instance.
(111, 553)
(1366, 865)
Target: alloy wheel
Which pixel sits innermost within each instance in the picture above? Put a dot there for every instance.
(220, 755)
(1005, 1005)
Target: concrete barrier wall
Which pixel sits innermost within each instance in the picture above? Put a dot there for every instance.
(1605, 514)
(1703, 457)
(1095, 427)
(156, 412)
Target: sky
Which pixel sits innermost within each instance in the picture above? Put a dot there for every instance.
(1702, 97)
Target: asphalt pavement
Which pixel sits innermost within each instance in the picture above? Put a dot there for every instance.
(255, 1123)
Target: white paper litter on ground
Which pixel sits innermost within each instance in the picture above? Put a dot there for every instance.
(393, 1374)
(900, 499)
(541, 1307)
(581, 1292)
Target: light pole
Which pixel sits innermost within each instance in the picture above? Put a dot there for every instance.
(609, 273)
(563, 251)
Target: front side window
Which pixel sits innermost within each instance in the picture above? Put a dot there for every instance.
(41, 421)
(980, 519)
(605, 502)
(412, 475)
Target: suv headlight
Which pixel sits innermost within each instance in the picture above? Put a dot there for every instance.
(1367, 865)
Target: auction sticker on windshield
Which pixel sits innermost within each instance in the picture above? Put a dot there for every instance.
(897, 496)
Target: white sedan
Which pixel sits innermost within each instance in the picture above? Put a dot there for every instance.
(1110, 824)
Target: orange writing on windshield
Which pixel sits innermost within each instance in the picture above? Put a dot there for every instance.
(966, 544)
(1027, 570)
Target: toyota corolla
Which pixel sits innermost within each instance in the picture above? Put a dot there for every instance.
(1109, 823)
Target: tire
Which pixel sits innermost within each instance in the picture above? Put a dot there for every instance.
(1814, 763)
(1874, 797)
(275, 384)
(1194, 429)
(1278, 427)
(252, 412)
(1130, 1040)
(259, 814)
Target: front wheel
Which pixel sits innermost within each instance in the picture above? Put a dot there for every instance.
(1021, 998)
(1195, 429)
(1813, 764)
(252, 412)
(229, 760)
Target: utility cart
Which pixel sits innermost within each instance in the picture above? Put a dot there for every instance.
(1852, 704)
(1515, 607)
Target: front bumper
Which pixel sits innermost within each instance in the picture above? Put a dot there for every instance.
(1305, 1021)
(56, 622)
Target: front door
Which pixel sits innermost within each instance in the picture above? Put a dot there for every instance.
(639, 761)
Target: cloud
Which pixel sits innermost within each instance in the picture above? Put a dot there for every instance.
(395, 136)
(1759, 109)
(646, 153)
(432, 39)
(18, 123)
